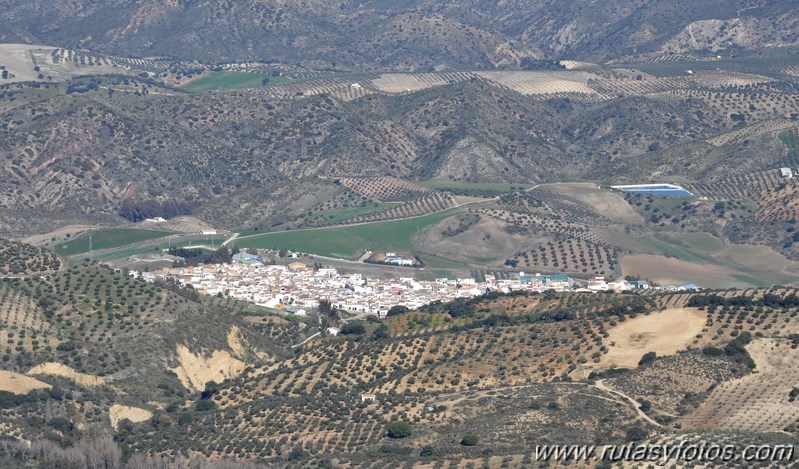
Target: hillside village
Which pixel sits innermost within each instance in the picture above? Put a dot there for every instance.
(297, 287)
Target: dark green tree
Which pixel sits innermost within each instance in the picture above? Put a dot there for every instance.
(399, 430)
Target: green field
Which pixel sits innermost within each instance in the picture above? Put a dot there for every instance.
(675, 248)
(752, 280)
(337, 216)
(791, 140)
(345, 242)
(107, 238)
(194, 240)
(231, 80)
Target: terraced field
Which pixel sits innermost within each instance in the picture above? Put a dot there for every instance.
(232, 80)
(406, 83)
(548, 84)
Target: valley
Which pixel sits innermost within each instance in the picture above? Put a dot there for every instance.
(410, 234)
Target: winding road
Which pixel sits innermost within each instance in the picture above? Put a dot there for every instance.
(601, 385)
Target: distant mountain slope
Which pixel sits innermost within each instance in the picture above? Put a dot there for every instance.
(242, 158)
(406, 35)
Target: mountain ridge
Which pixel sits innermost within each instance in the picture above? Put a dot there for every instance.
(412, 36)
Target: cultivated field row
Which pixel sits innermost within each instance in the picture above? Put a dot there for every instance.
(757, 402)
(383, 188)
(545, 224)
(759, 128)
(348, 85)
(571, 255)
(424, 205)
(739, 186)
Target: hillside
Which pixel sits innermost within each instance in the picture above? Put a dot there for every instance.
(20, 259)
(410, 35)
(103, 145)
(114, 355)
(90, 346)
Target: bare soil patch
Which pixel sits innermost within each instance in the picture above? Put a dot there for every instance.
(760, 258)
(669, 271)
(664, 333)
(194, 371)
(58, 369)
(184, 224)
(16, 383)
(119, 413)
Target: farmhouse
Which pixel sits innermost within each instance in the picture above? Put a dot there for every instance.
(786, 172)
(637, 284)
(245, 258)
(556, 281)
(401, 261)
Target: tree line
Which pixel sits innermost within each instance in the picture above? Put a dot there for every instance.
(138, 210)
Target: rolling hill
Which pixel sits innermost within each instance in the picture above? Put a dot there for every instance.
(259, 157)
(92, 352)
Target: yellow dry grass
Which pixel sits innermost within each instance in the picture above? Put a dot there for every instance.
(119, 413)
(16, 383)
(757, 402)
(194, 371)
(608, 204)
(234, 342)
(59, 369)
(663, 333)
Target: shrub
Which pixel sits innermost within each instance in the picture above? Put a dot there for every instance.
(397, 310)
(61, 424)
(470, 440)
(426, 451)
(353, 328)
(648, 357)
(712, 351)
(399, 430)
(205, 405)
(382, 332)
(636, 434)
